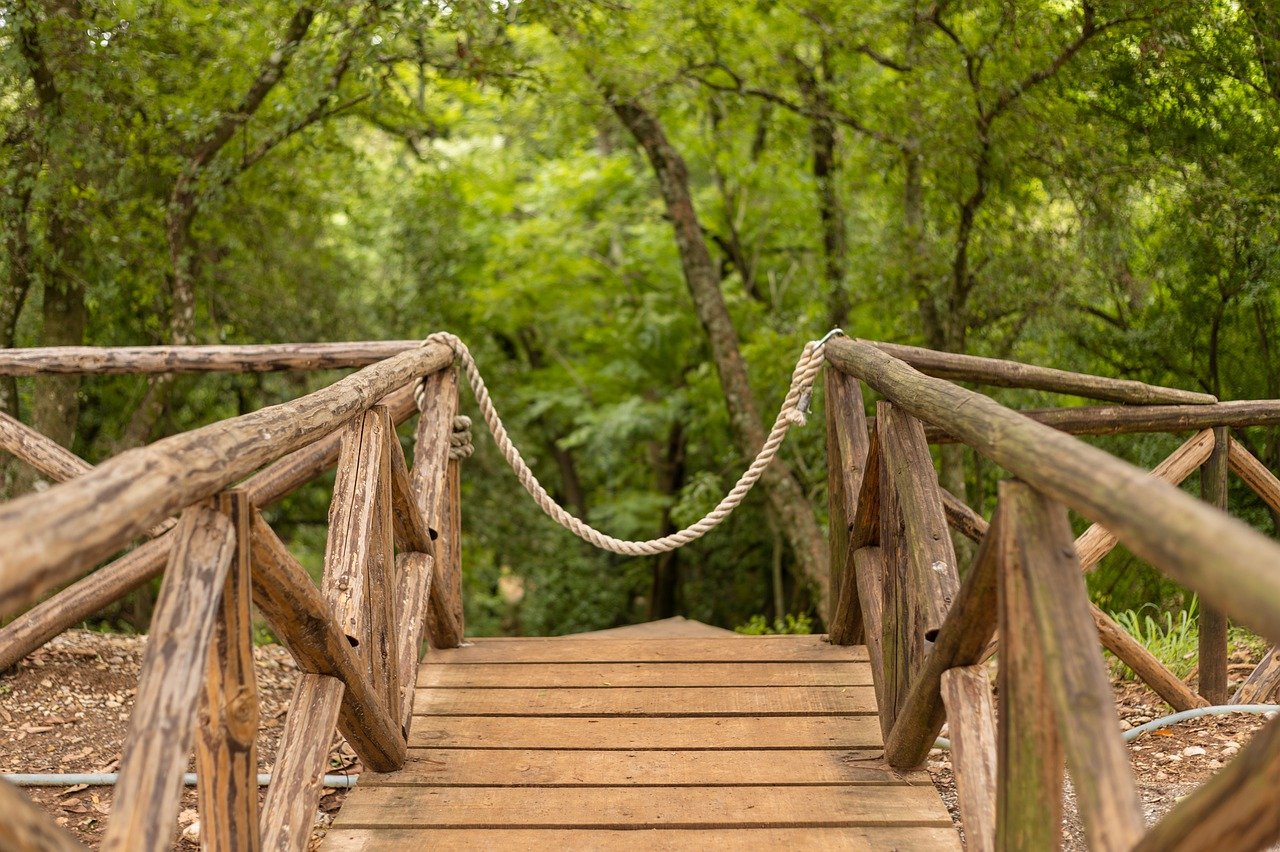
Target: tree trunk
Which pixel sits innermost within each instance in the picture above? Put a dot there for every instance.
(664, 594)
(785, 497)
(57, 404)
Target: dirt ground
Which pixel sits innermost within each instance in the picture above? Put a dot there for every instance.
(66, 709)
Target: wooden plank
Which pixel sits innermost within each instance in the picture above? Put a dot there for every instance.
(158, 744)
(1029, 752)
(1195, 544)
(551, 768)
(1130, 419)
(1235, 809)
(967, 694)
(1088, 725)
(289, 810)
(300, 617)
(432, 483)
(1263, 684)
(961, 641)
(610, 675)
(1014, 374)
(413, 577)
(380, 578)
(1135, 655)
(1212, 641)
(28, 828)
(849, 625)
(261, 358)
(226, 749)
(850, 839)
(1254, 474)
(730, 649)
(869, 570)
(895, 619)
(651, 701)
(48, 542)
(1097, 541)
(645, 733)
(847, 451)
(640, 807)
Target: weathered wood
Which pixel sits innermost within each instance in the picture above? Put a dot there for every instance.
(301, 618)
(961, 641)
(1097, 541)
(849, 839)
(1262, 686)
(124, 360)
(1235, 809)
(966, 692)
(615, 675)
(850, 623)
(1254, 474)
(1197, 545)
(431, 479)
(226, 751)
(869, 570)
(113, 581)
(729, 649)
(962, 518)
(1029, 751)
(413, 534)
(27, 828)
(1129, 419)
(413, 585)
(1144, 664)
(1014, 374)
(847, 452)
(645, 733)
(895, 619)
(383, 585)
(48, 542)
(447, 586)
(1212, 641)
(44, 454)
(1048, 575)
(289, 811)
(790, 701)
(145, 809)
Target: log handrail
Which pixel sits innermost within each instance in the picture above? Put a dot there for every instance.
(144, 360)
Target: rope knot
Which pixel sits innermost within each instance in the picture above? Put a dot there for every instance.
(460, 446)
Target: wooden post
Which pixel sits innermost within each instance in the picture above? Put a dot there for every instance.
(415, 576)
(847, 450)
(289, 811)
(26, 828)
(159, 741)
(895, 623)
(226, 750)
(1213, 624)
(851, 623)
(1030, 760)
(967, 695)
(1263, 683)
(868, 565)
(434, 477)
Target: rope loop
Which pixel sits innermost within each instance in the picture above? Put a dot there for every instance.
(794, 412)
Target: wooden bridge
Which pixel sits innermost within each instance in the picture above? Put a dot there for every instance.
(811, 742)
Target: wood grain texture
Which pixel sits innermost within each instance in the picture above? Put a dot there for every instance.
(645, 807)
(603, 768)
(1029, 752)
(662, 675)
(850, 623)
(966, 692)
(663, 734)
(847, 839)
(1195, 544)
(1013, 374)
(895, 621)
(869, 568)
(1235, 809)
(847, 450)
(1254, 474)
(413, 585)
(1048, 574)
(430, 479)
(48, 542)
(289, 810)
(301, 619)
(156, 749)
(731, 649)
(1212, 637)
(226, 748)
(1262, 686)
(126, 360)
(650, 701)
(1096, 542)
(44, 454)
(28, 828)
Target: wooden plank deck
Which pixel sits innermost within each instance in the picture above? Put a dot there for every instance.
(645, 743)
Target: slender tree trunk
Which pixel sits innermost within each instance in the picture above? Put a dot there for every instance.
(56, 412)
(785, 497)
(17, 287)
(664, 594)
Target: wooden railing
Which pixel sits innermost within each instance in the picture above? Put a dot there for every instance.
(392, 577)
(928, 625)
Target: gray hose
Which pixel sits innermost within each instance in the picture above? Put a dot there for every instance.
(1173, 719)
(106, 779)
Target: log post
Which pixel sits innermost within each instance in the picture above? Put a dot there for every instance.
(26, 828)
(159, 741)
(1263, 683)
(1213, 624)
(847, 450)
(1029, 759)
(226, 750)
(851, 622)
(966, 692)
(434, 478)
(895, 628)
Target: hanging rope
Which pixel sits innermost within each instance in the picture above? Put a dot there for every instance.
(795, 408)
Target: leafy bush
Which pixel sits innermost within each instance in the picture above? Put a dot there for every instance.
(759, 626)
(1173, 640)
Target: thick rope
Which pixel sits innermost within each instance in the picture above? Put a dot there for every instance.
(792, 413)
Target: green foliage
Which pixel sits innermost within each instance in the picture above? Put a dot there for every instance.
(758, 625)
(1171, 638)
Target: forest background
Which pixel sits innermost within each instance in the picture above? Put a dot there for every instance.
(636, 213)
